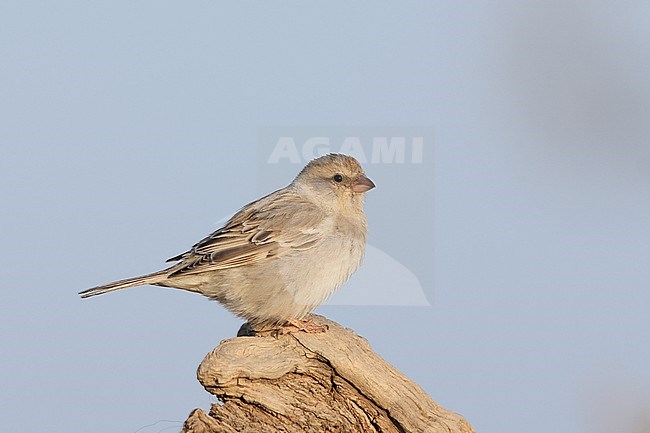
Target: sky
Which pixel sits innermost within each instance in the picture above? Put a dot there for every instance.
(507, 263)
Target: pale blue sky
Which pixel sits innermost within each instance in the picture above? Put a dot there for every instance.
(129, 129)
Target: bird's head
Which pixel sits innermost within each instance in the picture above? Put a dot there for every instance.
(334, 176)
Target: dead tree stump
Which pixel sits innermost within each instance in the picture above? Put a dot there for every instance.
(329, 382)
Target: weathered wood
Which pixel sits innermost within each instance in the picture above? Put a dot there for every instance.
(328, 382)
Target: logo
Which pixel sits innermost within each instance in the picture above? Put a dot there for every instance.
(398, 264)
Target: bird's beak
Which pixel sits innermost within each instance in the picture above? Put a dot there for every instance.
(362, 184)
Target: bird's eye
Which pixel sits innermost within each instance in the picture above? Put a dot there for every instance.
(338, 178)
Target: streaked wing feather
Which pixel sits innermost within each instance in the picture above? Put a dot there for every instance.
(271, 227)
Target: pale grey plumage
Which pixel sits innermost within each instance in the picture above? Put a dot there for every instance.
(281, 256)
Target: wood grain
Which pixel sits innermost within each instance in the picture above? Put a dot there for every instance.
(327, 382)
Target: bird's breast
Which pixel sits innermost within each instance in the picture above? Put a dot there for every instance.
(317, 273)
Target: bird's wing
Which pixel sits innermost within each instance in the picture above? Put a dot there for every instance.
(278, 224)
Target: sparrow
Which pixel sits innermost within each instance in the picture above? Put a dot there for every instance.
(281, 256)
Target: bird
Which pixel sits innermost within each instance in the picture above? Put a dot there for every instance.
(281, 256)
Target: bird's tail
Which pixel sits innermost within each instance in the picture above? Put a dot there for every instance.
(143, 280)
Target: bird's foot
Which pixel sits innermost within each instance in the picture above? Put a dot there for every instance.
(308, 326)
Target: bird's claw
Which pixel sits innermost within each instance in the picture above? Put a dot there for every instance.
(308, 326)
